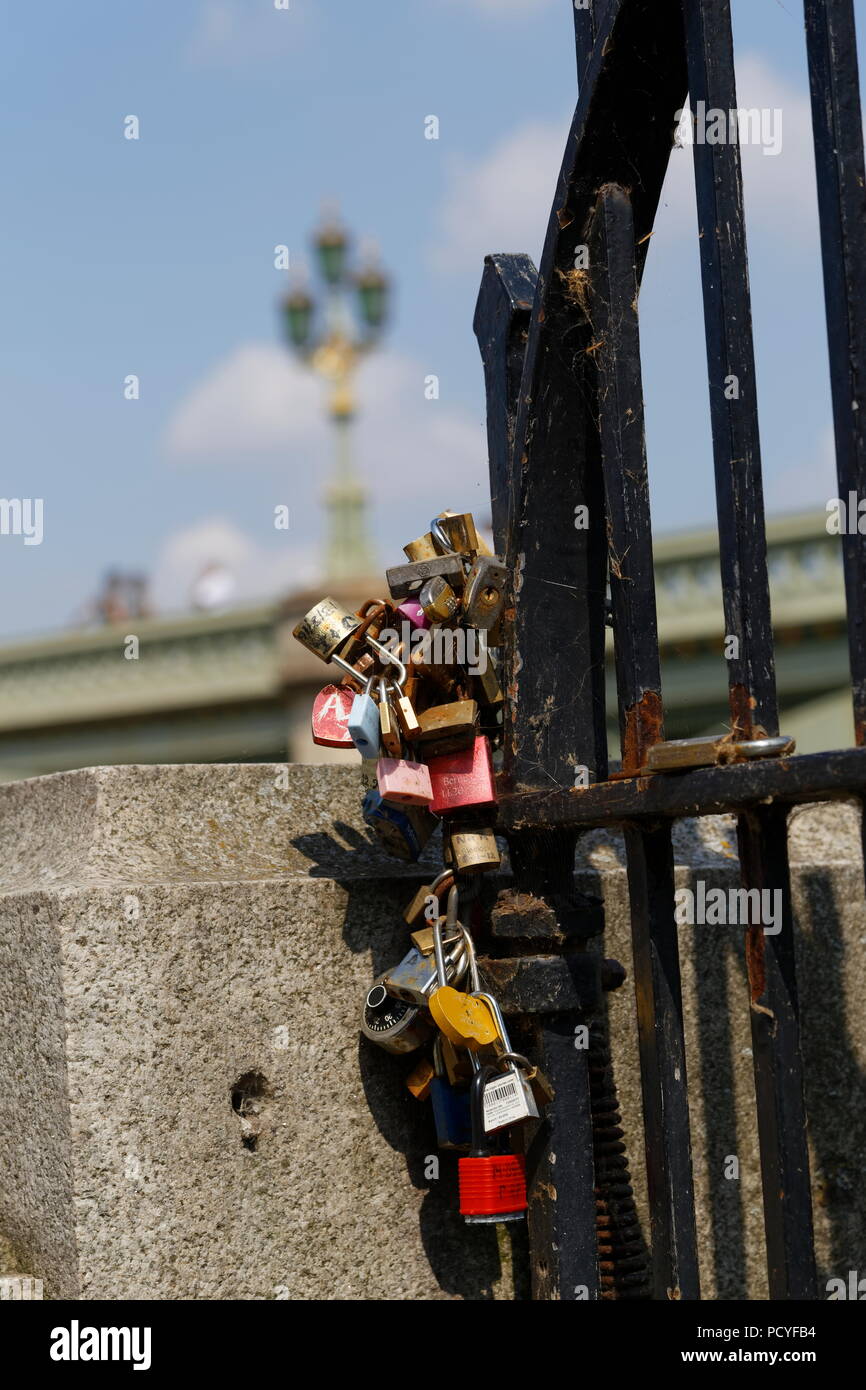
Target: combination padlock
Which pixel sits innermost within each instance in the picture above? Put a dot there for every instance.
(438, 600)
(392, 1023)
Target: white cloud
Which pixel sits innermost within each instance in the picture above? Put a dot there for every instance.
(258, 400)
(778, 190)
(259, 572)
(231, 33)
(502, 201)
(259, 410)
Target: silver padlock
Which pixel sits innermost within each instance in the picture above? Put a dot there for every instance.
(508, 1099)
(417, 975)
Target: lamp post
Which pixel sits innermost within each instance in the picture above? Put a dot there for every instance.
(334, 350)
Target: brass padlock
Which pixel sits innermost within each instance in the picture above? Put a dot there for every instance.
(439, 601)
(484, 596)
(420, 1079)
(458, 529)
(480, 547)
(458, 1066)
(421, 549)
(423, 940)
(390, 734)
(405, 712)
(425, 904)
(486, 686)
(472, 849)
(455, 722)
(326, 628)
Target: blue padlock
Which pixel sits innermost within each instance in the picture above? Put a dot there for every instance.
(403, 834)
(363, 723)
(451, 1114)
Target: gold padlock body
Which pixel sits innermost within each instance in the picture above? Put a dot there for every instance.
(422, 939)
(480, 547)
(325, 629)
(458, 1067)
(391, 740)
(414, 913)
(487, 687)
(467, 1022)
(424, 548)
(439, 601)
(406, 717)
(457, 718)
(459, 527)
(420, 1079)
(472, 848)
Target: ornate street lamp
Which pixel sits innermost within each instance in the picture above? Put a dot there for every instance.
(333, 341)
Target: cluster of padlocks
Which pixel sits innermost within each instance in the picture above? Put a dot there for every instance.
(420, 700)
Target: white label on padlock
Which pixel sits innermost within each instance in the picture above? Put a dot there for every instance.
(507, 1100)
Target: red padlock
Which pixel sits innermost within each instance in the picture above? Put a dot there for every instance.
(492, 1185)
(462, 779)
(330, 716)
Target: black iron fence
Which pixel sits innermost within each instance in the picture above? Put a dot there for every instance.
(568, 472)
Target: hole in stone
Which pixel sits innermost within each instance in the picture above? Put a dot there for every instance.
(250, 1096)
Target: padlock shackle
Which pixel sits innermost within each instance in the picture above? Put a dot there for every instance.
(389, 659)
(481, 1145)
(441, 537)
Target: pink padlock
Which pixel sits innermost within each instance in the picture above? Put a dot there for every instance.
(330, 716)
(463, 779)
(404, 782)
(414, 613)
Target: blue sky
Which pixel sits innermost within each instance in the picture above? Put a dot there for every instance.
(155, 257)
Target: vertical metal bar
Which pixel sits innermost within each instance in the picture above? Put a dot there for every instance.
(501, 325)
(739, 496)
(837, 127)
(838, 132)
(616, 351)
(585, 27)
(731, 362)
(560, 1163)
(763, 839)
(560, 1170)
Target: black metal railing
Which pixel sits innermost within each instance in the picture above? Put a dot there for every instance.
(568, 473)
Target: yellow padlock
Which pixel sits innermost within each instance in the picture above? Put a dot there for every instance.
(465, 1021)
